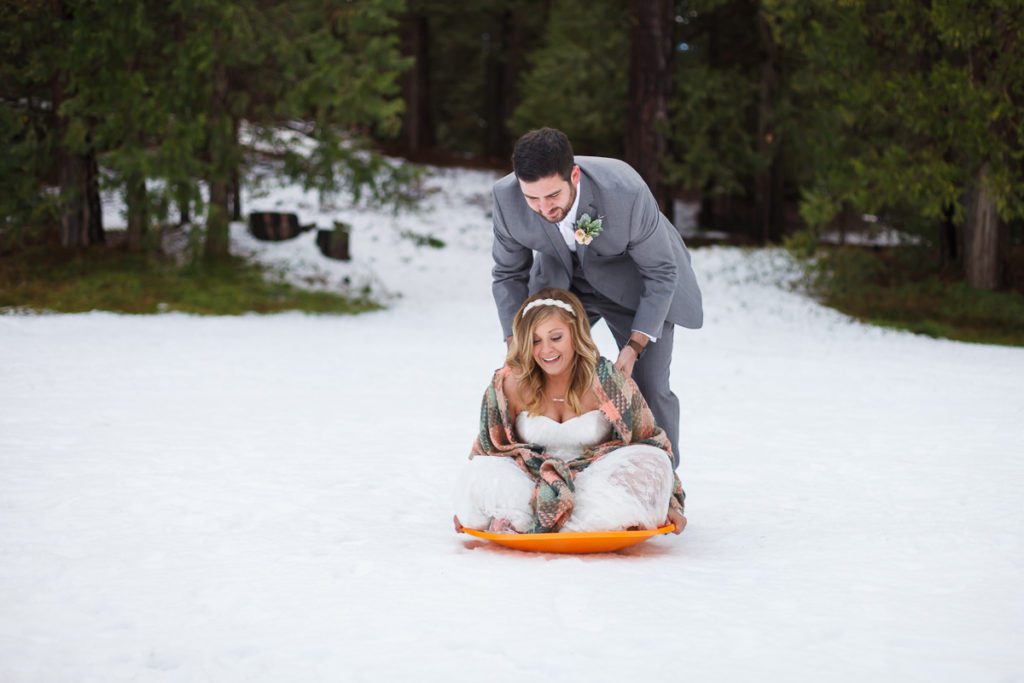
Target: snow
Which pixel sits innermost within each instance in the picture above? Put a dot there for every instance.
(267, 498)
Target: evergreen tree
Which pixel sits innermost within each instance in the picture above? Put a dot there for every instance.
(464, 85)
(731, 116)
(160, 91)
(119, 49)
(650, 80)
(328, 69)
(578, 79)
(47, 142)
(918, 116)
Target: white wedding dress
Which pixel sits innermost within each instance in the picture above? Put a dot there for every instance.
(629, 487)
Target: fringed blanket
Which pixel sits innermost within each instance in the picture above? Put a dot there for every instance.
(622, 404)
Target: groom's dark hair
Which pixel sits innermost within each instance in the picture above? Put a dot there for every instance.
(541, 153)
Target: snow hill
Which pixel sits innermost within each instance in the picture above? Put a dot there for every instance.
(267, 498)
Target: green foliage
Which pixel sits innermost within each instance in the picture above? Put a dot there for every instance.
(710, 124)
(423, 239)
(45, 280)
(350, 166)
(802, 245)
(27, 134)
(160, 91)
(577, 79)
(899, 288)
(901, 103)
(24, 203)
(475, 51)
(339, 74)
(713, 109)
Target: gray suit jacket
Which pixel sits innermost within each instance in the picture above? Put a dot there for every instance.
(639, 261)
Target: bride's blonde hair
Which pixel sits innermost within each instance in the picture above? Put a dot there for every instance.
(528, 374)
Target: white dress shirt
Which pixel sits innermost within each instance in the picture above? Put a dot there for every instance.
(567, 226)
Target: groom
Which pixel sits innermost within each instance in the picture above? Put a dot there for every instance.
(633, 270)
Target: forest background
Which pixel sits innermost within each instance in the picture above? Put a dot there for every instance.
(785, 121)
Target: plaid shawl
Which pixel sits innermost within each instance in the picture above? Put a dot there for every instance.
(552, 502)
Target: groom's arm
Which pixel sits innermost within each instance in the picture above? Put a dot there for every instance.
(650, 248)
(511, 273)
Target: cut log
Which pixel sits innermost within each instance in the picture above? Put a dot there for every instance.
(273, 227)
(334, 243)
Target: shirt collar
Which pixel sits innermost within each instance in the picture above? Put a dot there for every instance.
(569, 222)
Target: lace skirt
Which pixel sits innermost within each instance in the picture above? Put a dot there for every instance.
(629, 487)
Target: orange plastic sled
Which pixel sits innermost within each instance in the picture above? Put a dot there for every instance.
(573, 542)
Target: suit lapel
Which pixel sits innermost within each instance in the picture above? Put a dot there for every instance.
(587, 206)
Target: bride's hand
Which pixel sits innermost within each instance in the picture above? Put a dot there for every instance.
(675, 517)
(458, 524)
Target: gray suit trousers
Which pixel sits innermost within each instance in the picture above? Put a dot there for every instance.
(651, 372)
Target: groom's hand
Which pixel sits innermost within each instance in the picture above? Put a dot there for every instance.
(628, 355)
(626, 360)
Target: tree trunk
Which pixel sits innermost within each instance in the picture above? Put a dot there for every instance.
(418, 123)
(236, 195)
(768, 185)
(236, 179)
(81, 217)
(707, 219)
(221, 150)
(505, 61)
(183, 198)
(138, 211)
(649, 83)
(513, 66)
(949, 241)
(217, 221)
(183, 192)
(498, 89)
(669, 39)
(983, 236)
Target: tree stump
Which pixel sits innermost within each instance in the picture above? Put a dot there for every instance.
(334, 243)
(273, 227)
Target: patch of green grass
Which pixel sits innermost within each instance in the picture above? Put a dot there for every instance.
(111, 280)
(900, 288)
(938, 309)
(423, 239)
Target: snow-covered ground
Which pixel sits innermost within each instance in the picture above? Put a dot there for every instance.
(267, 498)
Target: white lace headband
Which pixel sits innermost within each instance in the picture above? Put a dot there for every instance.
(549, 302)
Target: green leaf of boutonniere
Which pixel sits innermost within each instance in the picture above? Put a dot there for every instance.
(588, 228)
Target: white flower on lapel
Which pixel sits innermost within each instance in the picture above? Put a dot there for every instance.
(588, 228)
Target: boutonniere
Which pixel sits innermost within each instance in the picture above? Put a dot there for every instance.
(588, 228)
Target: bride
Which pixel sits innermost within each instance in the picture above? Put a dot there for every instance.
(566, 441)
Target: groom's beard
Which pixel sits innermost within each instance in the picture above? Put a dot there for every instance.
(558, 217)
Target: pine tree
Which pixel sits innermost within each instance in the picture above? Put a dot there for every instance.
(650, 81)
(47, 142)
(578, 79)
(464, 85)
(914, 111)
(720, 118)
(159, 91)
(329, 70)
